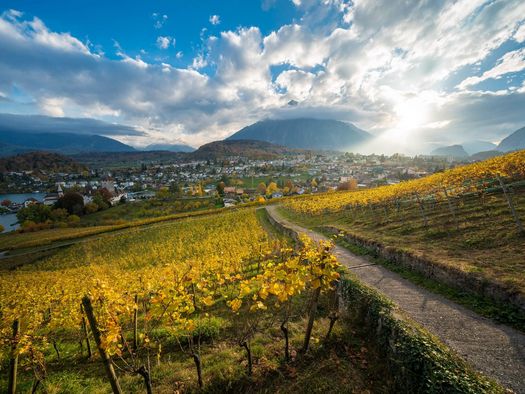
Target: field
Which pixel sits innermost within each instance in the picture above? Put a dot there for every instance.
(208, 288)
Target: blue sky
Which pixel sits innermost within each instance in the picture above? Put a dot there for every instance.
(413, 73)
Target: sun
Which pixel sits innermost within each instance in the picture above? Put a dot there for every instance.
(411, 114)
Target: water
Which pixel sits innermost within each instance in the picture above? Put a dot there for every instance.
(9, 219)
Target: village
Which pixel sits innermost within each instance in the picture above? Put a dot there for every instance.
(234, 179)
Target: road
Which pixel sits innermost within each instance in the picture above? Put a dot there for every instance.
(496, 350)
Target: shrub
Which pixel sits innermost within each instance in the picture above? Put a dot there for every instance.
(91, 207)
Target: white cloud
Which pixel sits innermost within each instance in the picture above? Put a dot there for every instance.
(163, 42)
(159, 20)
(519, 36)
(215, 19)
(53, 106)
(509, 63)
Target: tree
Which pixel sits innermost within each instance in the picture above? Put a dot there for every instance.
(59, 215)
(91, 207)
(175, 189)
(348, 185)
(313, 183)
(261, 188)
(6, 203)
(272, 188)
(37, 213)
(220, 188)
(100, 202)
(73, 202)
(2, 228)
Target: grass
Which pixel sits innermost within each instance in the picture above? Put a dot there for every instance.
(486, 240)
(139, 210)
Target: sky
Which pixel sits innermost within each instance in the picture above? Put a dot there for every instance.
(413, 73)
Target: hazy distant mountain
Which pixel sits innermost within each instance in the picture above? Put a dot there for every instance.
(304, 133)
(12, 142)
(244, 148)
(515, 141)
(472, 147)
(452, 151)
(486, 155)
(169, 148)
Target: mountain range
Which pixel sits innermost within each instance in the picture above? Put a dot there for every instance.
(14, 142)
(19, 135)
(481, 150)
(305, 133)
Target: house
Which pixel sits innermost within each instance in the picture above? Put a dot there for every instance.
(30, 201)
(52, 198)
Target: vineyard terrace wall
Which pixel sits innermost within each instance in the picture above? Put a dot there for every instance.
(433, 269)
(418, 362)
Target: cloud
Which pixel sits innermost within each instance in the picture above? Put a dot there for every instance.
(163, 42)
(215, 19)
(373, 63)
(159, 20)
(46, 124)
(511, 62)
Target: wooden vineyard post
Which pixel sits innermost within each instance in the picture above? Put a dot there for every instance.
(511, 205)
(88, 309)
(135, 323)
(422, 210)
(311, 318)
(451, 208)
(86, 333)
(13, 362)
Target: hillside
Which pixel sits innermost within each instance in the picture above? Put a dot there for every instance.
(40, 162)
(486, 155)
(245, 148)
(452, 150)
(473, 147)
(515, 141)
(168, 148)
(127, 159)
(13, 142)
(316, 134)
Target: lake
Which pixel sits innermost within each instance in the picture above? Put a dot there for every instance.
(8, 220)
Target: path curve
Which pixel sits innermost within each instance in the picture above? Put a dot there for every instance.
(496, 350)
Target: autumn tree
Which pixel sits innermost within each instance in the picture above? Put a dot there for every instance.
(261, 188)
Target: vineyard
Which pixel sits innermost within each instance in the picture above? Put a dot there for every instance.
(140, 299)
(470, 217)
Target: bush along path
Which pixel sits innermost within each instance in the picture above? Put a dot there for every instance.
(496, 350)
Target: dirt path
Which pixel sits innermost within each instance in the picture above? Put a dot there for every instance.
(496, 350)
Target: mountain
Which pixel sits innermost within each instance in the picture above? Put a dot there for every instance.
(41, 162)
(305, 133)
(244, 148)
(472, 147)
(169, 148)
(12, 142)
(486, 155)
(515, 141)
(452, 151)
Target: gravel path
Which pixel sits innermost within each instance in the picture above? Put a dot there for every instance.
(496, 350)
